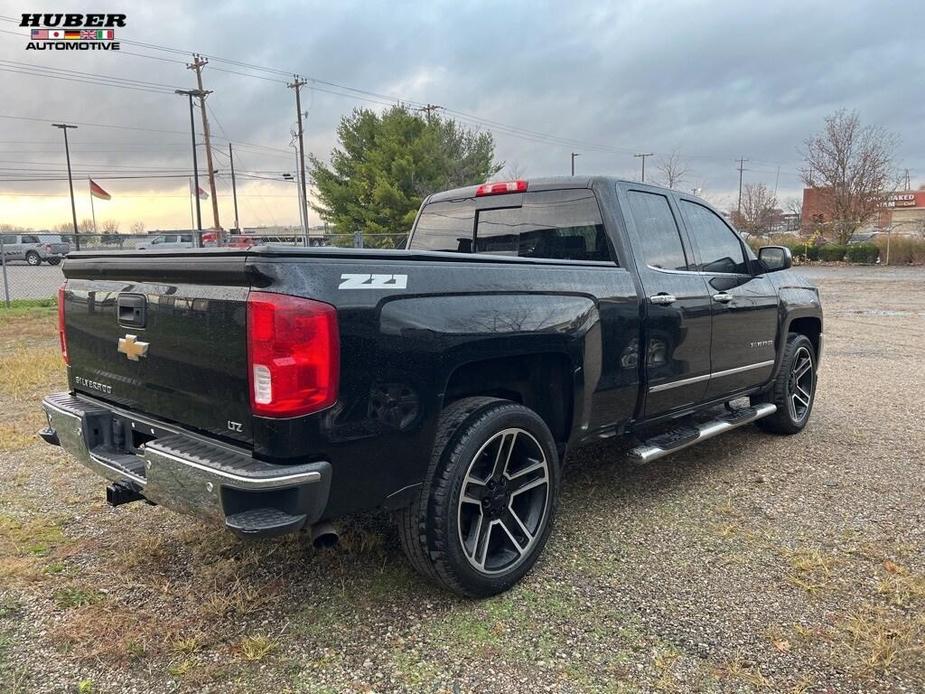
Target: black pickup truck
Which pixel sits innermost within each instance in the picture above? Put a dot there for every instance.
(279, 389)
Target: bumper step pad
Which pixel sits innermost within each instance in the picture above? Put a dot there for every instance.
(264, 522)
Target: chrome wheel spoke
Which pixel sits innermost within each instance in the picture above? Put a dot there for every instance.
(473, 491)
(503, 456)
(527, 486)
(519, 548)
(479, 542)
(513, 520)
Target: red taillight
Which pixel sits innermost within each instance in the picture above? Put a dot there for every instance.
(47, 248)
(293, 352)
(62, 336)
(500, 188)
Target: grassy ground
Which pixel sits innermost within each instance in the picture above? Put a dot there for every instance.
(749, 563)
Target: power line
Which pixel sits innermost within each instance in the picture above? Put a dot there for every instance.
(339, 89)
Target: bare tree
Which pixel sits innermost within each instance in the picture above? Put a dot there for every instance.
(85, 226)
(514, 171)
(794, 206)
(138, 227)
(759, 207)
(853, 163)
(673, 170)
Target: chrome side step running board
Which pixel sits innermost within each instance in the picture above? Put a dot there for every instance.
(684, 436)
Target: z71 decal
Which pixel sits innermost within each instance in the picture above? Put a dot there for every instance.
(362, 281)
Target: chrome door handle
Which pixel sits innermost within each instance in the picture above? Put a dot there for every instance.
(722, 297)
(662, 299)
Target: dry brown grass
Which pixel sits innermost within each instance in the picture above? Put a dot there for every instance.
(255, 648)
(739, 669)
(30, 372)
(881, 639)
(899, 586)
(811, 569)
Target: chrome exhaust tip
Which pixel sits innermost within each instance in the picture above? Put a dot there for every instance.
(324, 535)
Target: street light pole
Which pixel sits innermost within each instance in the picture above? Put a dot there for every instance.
(70, 181)
(574, 154)
(192, 125)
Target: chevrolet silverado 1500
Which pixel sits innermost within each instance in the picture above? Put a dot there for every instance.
(278, 389)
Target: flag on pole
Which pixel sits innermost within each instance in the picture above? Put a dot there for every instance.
(203, 195)
(97, 192)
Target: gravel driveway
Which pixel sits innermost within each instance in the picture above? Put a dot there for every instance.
(751, 562)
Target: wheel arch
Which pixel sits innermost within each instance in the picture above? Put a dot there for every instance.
(811, 327)
(541, 381)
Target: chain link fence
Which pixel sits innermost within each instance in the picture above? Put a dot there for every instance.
(31, 262)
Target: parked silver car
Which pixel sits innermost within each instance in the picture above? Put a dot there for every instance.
(166, 242)
(35, 248)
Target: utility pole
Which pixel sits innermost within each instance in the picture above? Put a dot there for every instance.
(297, 84)
(574, 154)
(198, 63)
(907, 180)
(429, 109)
(70, 182)
(234, 190)
(643, 155)
(742, 161)
(190, 93)
(302, 222)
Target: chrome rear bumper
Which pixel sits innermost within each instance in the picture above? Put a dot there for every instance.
(186, 473)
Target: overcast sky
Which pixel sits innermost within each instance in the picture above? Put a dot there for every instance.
(713, 81)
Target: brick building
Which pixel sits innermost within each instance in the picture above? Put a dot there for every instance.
(902, 211)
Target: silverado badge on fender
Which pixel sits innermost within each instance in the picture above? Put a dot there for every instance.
(132, 348)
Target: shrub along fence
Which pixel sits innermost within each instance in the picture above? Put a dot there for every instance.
(903, 250)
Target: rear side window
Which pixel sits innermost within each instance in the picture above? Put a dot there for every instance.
(30, 239)
(718, 246)
(445, 226)
(559, 224)
(659, 238)
(556, 224)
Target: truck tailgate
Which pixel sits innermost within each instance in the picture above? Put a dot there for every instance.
(174, 347)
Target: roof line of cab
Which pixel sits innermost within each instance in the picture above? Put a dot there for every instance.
(538, 184)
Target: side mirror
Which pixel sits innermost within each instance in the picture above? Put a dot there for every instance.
(775, 258)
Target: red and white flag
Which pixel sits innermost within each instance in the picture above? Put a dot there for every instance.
(203, 195)
(97, 191)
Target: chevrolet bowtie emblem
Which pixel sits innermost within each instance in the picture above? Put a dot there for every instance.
(132, 348)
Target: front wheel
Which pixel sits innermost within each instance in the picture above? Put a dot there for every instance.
(794, 389)
(489, 498)
(33, 258)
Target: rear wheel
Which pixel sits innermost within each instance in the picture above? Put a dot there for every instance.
(53, 261)
(33, 258)
(489, 498)
(794, 389)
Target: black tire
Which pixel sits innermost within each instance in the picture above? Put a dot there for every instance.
(793, 408)
(33, 258)
(432, 528)
(53, 261)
